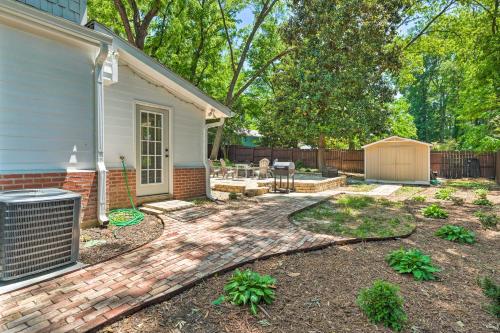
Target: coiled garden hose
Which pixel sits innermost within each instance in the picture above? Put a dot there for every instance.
(126, 216)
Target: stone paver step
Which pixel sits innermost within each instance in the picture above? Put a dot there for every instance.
(151, 211)
(169, 205)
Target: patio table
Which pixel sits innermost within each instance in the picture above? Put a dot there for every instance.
(244, 167)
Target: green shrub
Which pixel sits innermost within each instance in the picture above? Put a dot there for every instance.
(382, 303)
(434, 211)
(457, 201)
(482, 202)
(233, 196)
(482, 198)
(456, 233)
(248, 288)
(444, 193)
(418, 198)
(492, 291)
(481, 193)
(413, 262)
(488, 220)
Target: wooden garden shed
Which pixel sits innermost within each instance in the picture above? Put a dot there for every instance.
(397, 160)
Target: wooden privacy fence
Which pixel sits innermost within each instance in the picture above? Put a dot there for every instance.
(447, 164)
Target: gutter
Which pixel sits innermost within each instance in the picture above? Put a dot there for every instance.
(208, 189)
(99, 140)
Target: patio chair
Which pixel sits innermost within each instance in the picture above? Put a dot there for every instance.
(213, 171)
(225, 170)
(263, 171)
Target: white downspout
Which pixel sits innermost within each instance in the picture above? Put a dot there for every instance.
(99, 123)
(208, 189)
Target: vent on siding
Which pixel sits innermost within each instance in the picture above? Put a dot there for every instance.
(39, 231)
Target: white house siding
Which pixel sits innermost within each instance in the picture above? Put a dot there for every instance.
(46, 103)
(119, 121)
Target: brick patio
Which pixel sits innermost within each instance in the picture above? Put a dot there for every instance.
(184, 254)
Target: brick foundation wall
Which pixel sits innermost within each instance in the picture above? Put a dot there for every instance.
(189, 183)
(116, 190)
(83, 182)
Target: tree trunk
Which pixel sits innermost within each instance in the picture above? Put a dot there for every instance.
(321, 152)
(217, 142)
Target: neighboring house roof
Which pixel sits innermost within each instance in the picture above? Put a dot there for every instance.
(396, 139)
(162, 74)
(249, 132)
(20, 14)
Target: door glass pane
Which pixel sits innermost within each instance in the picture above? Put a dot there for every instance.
(151, 155)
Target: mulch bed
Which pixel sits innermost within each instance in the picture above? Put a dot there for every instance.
(112, 241)
(316, 291)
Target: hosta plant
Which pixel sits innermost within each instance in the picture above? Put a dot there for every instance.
(456, 233)
(248, 288)
(414, 262)
(434, 211)
(445, 193)
(382, 303)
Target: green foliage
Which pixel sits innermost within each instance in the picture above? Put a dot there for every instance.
(435, 211)
(418, 198)
(327, 85)
(382, 303)
(492, 291)
(445, 193)
(299, 164)
(482, 198)
(233, 196)
(488, 220)
(481, 193)
(450, 75)
(248, 288)
(456, 234)
(413, 262)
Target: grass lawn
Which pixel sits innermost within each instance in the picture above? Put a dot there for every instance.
(357, 216)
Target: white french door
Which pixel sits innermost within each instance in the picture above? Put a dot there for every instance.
(152, 151)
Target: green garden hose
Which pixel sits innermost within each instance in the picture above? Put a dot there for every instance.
(126, 216)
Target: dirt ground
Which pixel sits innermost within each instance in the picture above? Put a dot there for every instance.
(316, 291)
(99, 244)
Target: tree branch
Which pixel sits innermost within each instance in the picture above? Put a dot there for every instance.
(421, 32)
(126, 24)
(231, 53)
(260, 71)
(266, 9)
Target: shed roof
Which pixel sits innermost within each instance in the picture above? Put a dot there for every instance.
(395, 139)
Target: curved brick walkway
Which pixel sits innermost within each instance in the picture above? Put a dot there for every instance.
(185, 253)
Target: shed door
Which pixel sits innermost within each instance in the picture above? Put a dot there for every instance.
(152, 151)
(387, 166)
(405, 163)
